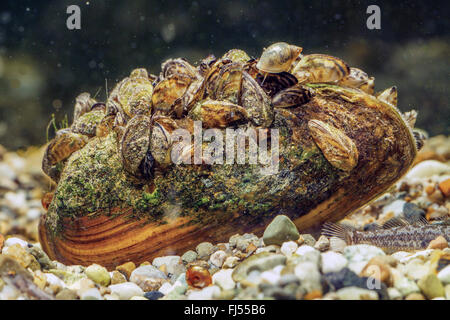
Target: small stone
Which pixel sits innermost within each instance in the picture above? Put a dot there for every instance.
(2, 241)
(415, 269)
(359, 255)
(91, 294)
(12, 241)
(244, 241)
(218, 258)
(148, 277)
(153, 295)
(82, 285)
(309, 276)
(127, 268)
(18, 253)
(117, 277)
(54, 283)
(281, 229)
(404, 285)
(431, 286)
(394, 294)
(165, 288)
(258, 262)
(189, 256)
(308, 254)
(322, 244)
(415, 296)
(111, 297)
(230, 262)
(394, 209)
(444, 275)
(447, 292)
(126, 290)
(39, 279)
(173, 264)
(223, 279)
(333, 262)
(307, 239)
(204, 294)
(98, 274)
(41, 257)
(444, 186)
(66, 294)
(288, 248)
(439, 243)
(377, 269)
(204, 250)
(355, 293)
(270, 276)
(426, 169)
(138, 298)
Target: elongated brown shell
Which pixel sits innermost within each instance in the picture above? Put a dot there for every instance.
(320, 68)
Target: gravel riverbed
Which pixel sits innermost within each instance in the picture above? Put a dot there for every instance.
(282, 264)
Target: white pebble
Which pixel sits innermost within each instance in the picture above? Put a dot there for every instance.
(12, 241)
(444, 275)
(91, 294)
(218, 258)
(223, 279)
(270, 276)
(126, 290)
(288, 248)
(427, 168)
(333, 262)
(165, 288)
(33, 214)
(205, 294)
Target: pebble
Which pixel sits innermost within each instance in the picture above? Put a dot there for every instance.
(394, 209)
(447, 292)
(444, 186)
(204, 294)
(18, 253)
(189, 256)
(91, 294)
(439, 243)
(2, 241)
(332, 262)
(415, 296)
(359, 255)
(308, 254)
(322, 244)
(82, 285)
(12, 241)
(309, 276)
(117, 277)
(218, 258)
(153, 295)
(281, 229)
(355, 293)
(98, 274)
(379, 270)
(165, 288)
(258, 262)
(444, 275)
(138, 298)
(426, 169)
(126, 290)
(173, 264)
(111, 297)
(224, 279)
(230, 262)
(66, 294)
(307, 239)
(126, 269)
(145, 272)
(431, 286)
(247, 239)
(394, 294)
(288, 248)
(204, 250)
(404, 285)
(415, 269)
(55, 283)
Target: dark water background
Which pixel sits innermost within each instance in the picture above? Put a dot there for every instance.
(44, 66)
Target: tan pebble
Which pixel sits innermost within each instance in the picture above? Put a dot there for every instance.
(315, 294)
(444, 186)
(415, 296)
(300, 240)
(117, 277)
(151, 284)
(438, 243)
(2, 241)
(145, 263)
(18, 253)
(250, 248)
(429, 189)
(163, 268)
(40, 279)
(221, 246)
(127, 268)
(378, 269)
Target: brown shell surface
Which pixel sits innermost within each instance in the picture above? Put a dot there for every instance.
(338, 149)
